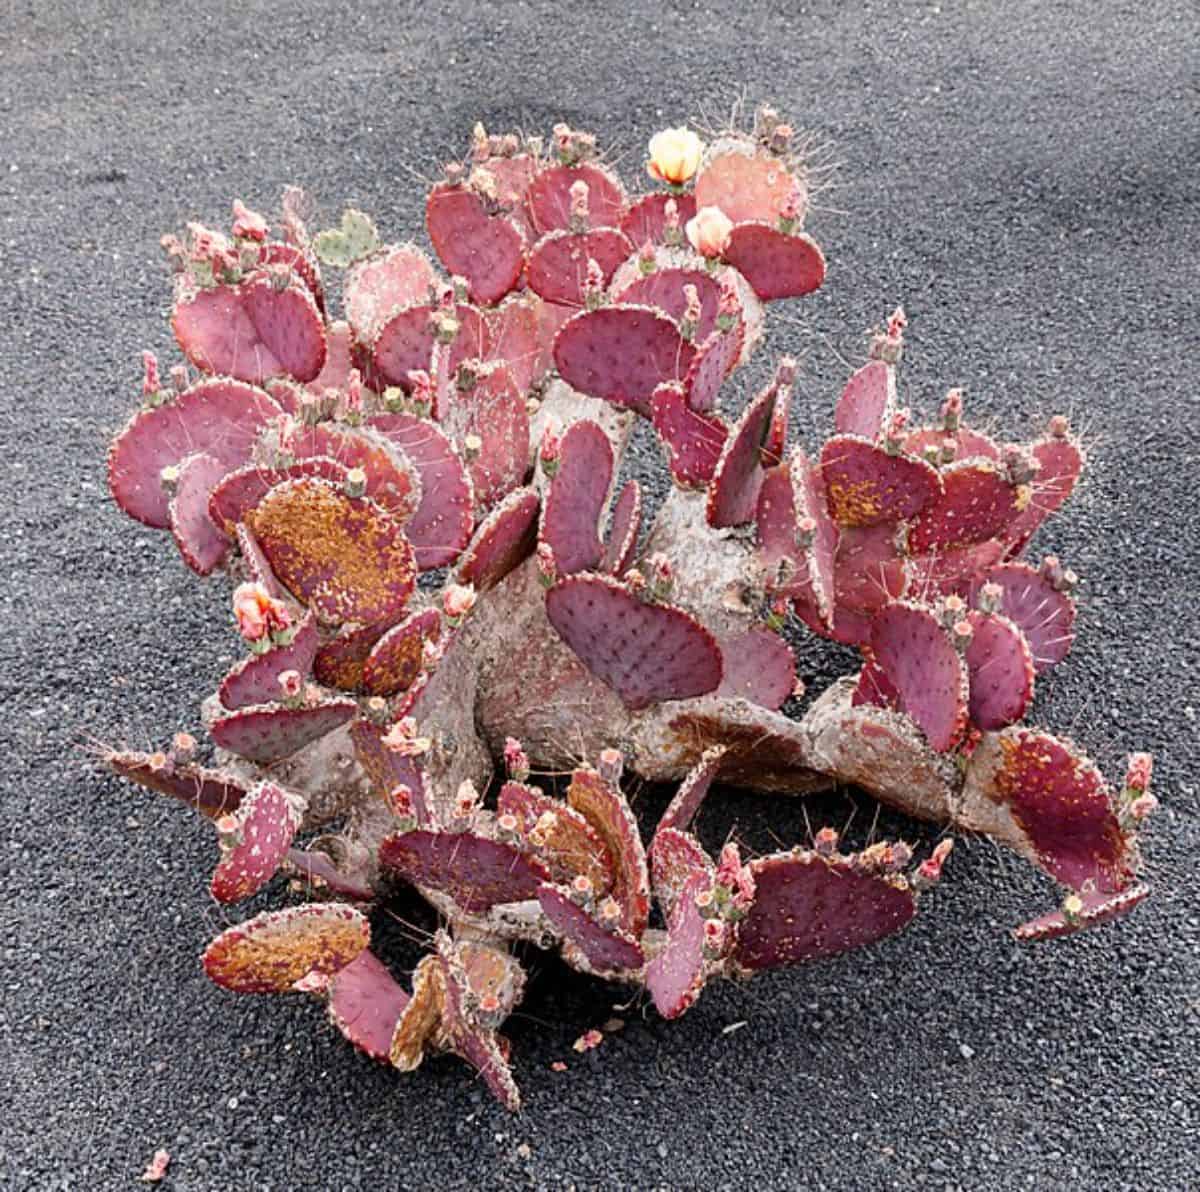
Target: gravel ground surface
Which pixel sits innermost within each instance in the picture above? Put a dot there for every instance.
(1022, 177)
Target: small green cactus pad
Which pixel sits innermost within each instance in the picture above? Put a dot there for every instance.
(396, 276)
(759, 666)
(645, 652)
(274, 950)
(1094, 909)
(392, 480)
(747, 186)
(715, 359)
(733, 493)
(605, 947)
(977, 502)
(487, 249)
(269, 734)
(692, 791)
(676, 976)
(1044, 615)
(397, 658)
(404, 343)
(241, 490)
(355, 238)
(365, 1004)
(676, 857)
(259, 838)
(475, 872)
(386, 769)
(561, 838)
(576, 499)
(868, 402)
(549, 197)
(663, 289)
(560, 261)
(345, 557)
(212, 793)
(1000, 671)
(646, 219)
(693, 441)
(776, 264)
(255, 679)
(505, 538)
(624, 526)
(201, 543)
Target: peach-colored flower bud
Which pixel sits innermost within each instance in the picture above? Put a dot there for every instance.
(516, 760)
(458, 600)
(709, 230)
(291, 685)
(1141, 767)
(674, 155)
(251, 610)
(247, 224)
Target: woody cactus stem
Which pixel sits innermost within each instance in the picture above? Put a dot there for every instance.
(475, 417)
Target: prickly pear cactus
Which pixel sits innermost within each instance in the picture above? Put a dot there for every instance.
(446, 585)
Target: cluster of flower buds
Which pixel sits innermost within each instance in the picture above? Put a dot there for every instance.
(1136, 800)
(571, 147)
(403, 739)
(547, 568)
(888, 345)
(674, 156)
(729, 305)
(895, 433)
(153, 393)
(733, 888)
(708, 232)
(672, 231)
(262, 620)
(457, 602)
(1061, 578)
(516, 760)
(550, 448)
(247, 224)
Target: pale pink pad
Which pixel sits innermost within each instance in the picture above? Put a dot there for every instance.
(676, 857)
(867, 402)
(977, 503)
(865, 485)
(496, 411)
(758, 666)
(576, 499)
(558, 263)
(571, 846)
(522, 330)
(1000, 672)
(267, 820)
(920, 661)
(241, 490)
(269, 734)
(646, 218)
(212, 793)
(441, 526)
(606, 949)
(405, 339)
(219, 417)
(692, 791)
(365, 1003)
(505, 538)
(693, 441)
(808, 908)
(201, 543)
(396, 276)
(675, 977)
(1097, 908)
(488, 250)
(733, 494)
(304, 266)
(1060, 464)
(274, 950)
(776, 264)
(513, 176)
(392, 480)
(396, 660)
(477, 873)
(646, 652)
(624, 525)
(746, 186)
(715, 359)
(662, 289)
(1043, 614)
(869, 568)
(549, 197)
(622, 354)
(386, 769)
(255, 680)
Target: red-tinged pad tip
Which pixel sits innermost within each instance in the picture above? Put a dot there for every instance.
(916, 654)
(558, 265)
(345, 557)
(869, 568)
(646, 218)
(320, 872)
(646, 652)
(693, 441)
(477, 873)
(1000, 672)
(692, 791)
(213, 793)
(269, 734)
(523, 330)
(255, 680)
(714, 361)
(807, 907)
(607, 810)
(219, 417)
(392, 480)
(675, 977)
(865, 485)
(977, 503)
(405, 339)
(274, 950)
(441, 526)
(733, 494)
(241, 490)
(549, 197)
(676, 857)
(568, 845)
(759, 666)
(201, 542)
(1043, 614)
(1060, 463)
(396, 659)
(623, 529)
(1094, 910)
(867, 402)
(339, 661)
(576, 498)
(396, 276)
(365, 1003)
(606, 949)
(386, 769)
(504, 540)
(663, 289)
(747, 186)
(622, 354)
(258, 569)
(951, 572)
(266, 822)
(776, 264)
(488, 250)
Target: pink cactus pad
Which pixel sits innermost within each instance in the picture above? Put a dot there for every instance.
(558, 263)
(676, 857)
(867, 402)
(318, 872)
(874, 688)
(267, 820)
(549, 197)
(675, 977)
(780, 552)
(488, 250)
(645, 652)
(563, 840)
(622, 354)
(201, 543)
(605, 947)
(1000, 672)
(218, 417)
(776, 264)
(733, 493)
(865, 485)
(1060, 462)
(977, 503)
(404, 343)
(663, 290)
(759, 666)
(396, 276)
(715, 359)
(1094, 909)
(343, 556)
(920, 662)
(441, 525)
(623, 528)
(267, 734)
(255, 680)
(523, 329)
(302, 264)
(952, 571)
(397, 658)
(646, 218)
(1043, 614)
(747, 186)
(576, 499)
(386, 769)
(692, 791)
(212, 793)
(808, 907)
(808, 483)
(496, 412)
(258, 570)
(692, 441)
(605, 808)
(274, 950)
(504, 539)
(241, 490)
(477, 873)
(392, 480)
(365, 1004)
(967, 443)
(869, 568)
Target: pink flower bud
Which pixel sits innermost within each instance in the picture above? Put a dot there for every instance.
(458, 600)
(551, 446)
(508, 823)
(609, 911)
(674, 155)
(1143, 806)
(546, 566)
(247, 224)
(691, 313)
(1059, 427)
(709, 231)
(466, 799)
(611, 765)
(402, 738)
(150, 379)
(825, 842)
(400, 802)
(579, 215)
(516, 760)
(291, 685)
(1138, 774)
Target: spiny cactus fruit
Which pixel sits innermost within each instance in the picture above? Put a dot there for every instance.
(446, 581)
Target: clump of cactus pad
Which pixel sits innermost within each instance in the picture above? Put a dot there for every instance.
(447, 585)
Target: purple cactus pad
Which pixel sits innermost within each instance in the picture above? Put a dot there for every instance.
(715, 359)
(776, 264)
(549, 197)
(559, 263)
(693, 441)
(646, 218)
(1043, 614)
(675, 977)
(576, 499)
(266, 822)
(488, 250)
(759, 666)
(684, 807)
(748, 186)
(393, 277)
(1095, 908)
(977, 503)
(397, 659)
(733, 493)
(607, 949)
(868, 401)
(212, 793)
(865, 485)
(624, 525)
(676, 857)
(365, 1004)
(201, 543)
(504, 540)
(268, 734)
(662, 289)
(1000, 672)
(241, 490)
(567, 844)
(255, 680)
